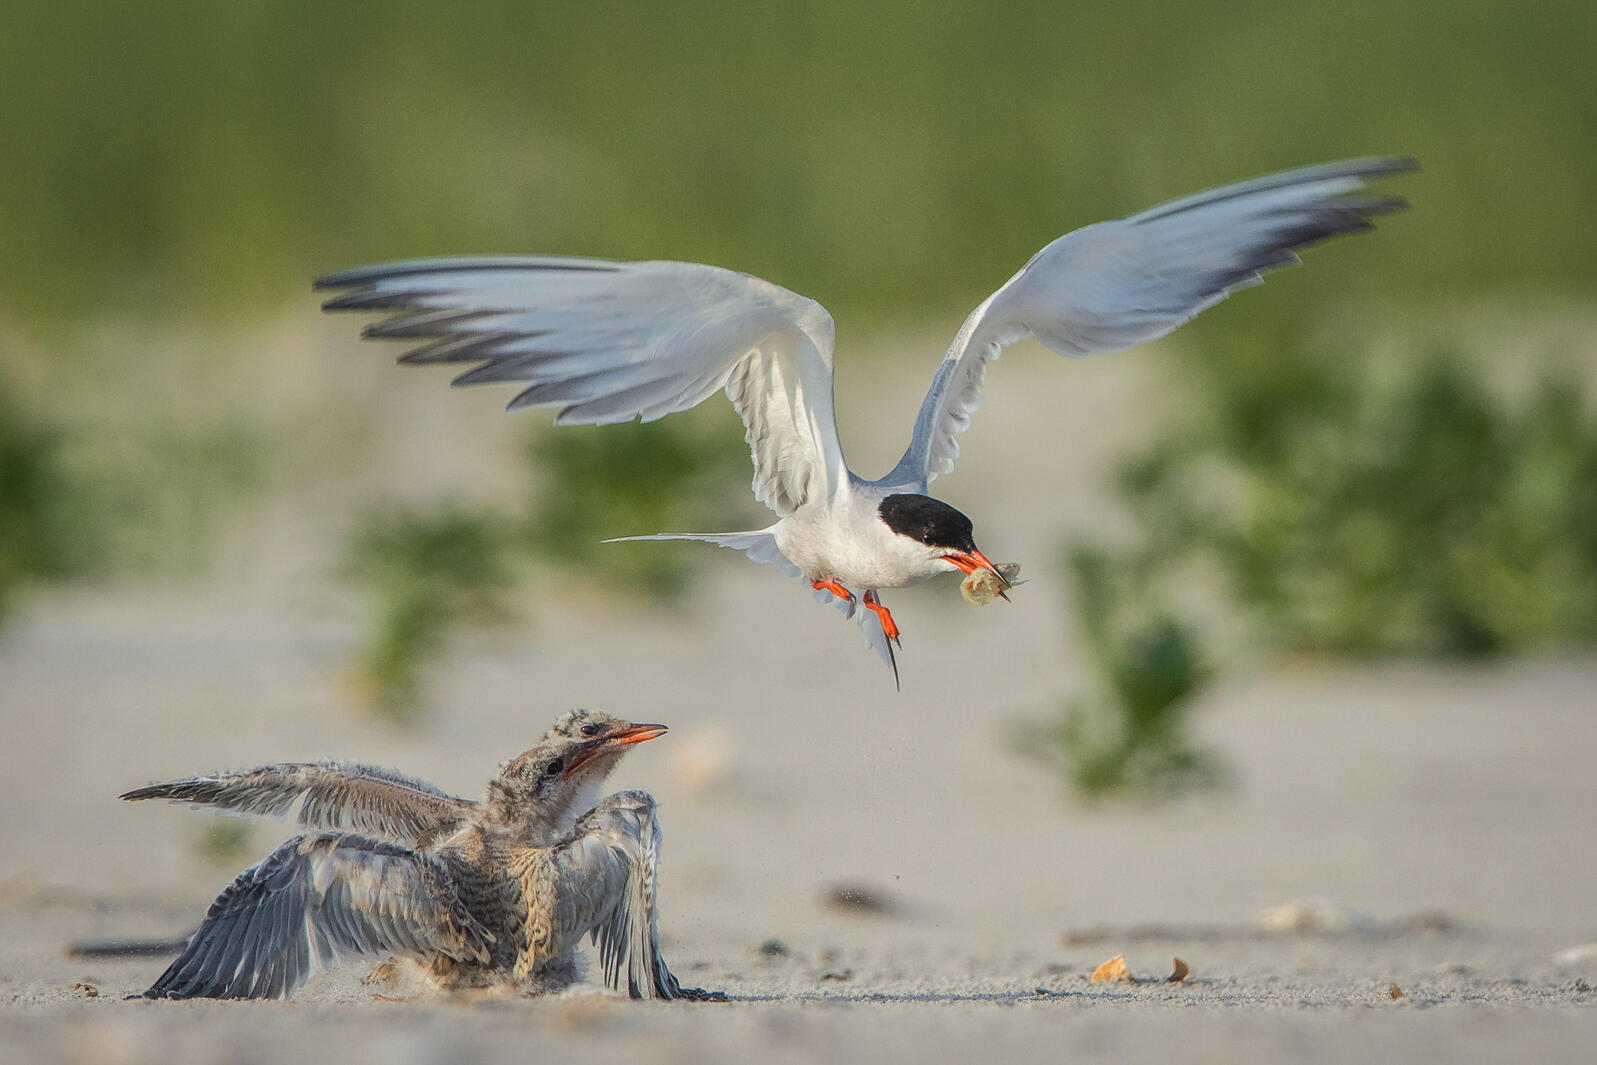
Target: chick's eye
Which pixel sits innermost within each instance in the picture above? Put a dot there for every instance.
(554, 767)
(590, 730)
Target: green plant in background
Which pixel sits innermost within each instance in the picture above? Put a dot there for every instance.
(423, 573)
(39, 500)
(75, 503)
(1360, 512)
(426, 572)
(161, 494)
(600, 482)
(1129, 737)
(1348, 509)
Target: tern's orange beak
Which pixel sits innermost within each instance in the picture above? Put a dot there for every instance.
(629, 735)
(973, 560)
(637, 734)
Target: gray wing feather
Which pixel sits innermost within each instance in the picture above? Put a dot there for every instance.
(607, 889)
(314, 900)
(337, 796)
(613, 341)
(629, 941)
(1115, 284)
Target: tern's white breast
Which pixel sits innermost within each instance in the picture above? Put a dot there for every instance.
(845, 539)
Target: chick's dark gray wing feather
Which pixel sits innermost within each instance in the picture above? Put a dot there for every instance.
(315, 900)
(607, 889)
(337, 796)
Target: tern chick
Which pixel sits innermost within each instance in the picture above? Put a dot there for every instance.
(489, 894)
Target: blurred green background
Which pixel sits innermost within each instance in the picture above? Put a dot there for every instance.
(191, 158)
(177, 173)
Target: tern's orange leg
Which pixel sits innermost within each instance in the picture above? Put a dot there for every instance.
(877, 607)
(836, 589)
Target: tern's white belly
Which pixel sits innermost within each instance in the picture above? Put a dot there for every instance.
(850, 544)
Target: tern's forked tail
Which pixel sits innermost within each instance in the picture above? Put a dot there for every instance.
(759, 545)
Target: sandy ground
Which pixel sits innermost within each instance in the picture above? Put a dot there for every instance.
(1434, 822)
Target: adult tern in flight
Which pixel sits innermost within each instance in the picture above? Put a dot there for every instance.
(608, 341)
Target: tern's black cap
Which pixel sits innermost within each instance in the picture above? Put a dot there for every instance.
(931, 521)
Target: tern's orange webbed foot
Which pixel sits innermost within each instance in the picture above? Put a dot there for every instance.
(876, 606)
(836, 589)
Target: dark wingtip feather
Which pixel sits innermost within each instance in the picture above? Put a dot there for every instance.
(196, 789)
(1371, 206)
(474, 347)
(376, 272)
(1365, 169)
(368, 299)
(1373, 167)
(1397, 164)
(422, 325)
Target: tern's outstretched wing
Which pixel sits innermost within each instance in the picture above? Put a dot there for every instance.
(1111, 285)
(314, 900)
(339, 797)
(605, 887)
(612, 341)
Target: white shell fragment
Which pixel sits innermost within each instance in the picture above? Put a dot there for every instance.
(981, 586)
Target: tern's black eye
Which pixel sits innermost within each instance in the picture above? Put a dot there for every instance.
(590, 729)
(554, 767)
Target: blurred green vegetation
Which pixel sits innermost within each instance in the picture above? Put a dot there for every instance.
(634, 479)
(39, 505)
(196, 158)
(425, 572)
(192, 162)
(1347, 508)
(1129, 737)
(1376, 510)
(73, 505)
(153, 501)
(422, 573)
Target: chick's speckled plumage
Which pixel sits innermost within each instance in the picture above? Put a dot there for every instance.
(497, 893)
